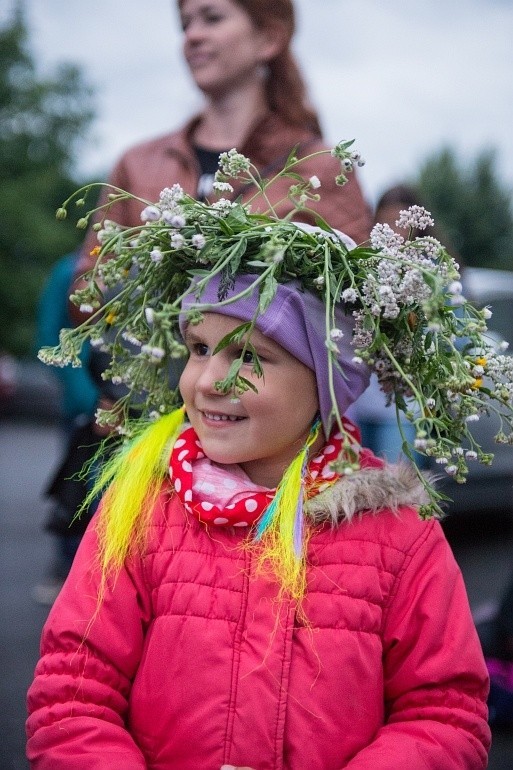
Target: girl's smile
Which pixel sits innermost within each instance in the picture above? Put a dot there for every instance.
(213, 416)
(262, 432)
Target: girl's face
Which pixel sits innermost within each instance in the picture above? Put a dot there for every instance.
(222, 47)
(263, 431)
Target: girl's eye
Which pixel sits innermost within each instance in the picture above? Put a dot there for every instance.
(199, 349)
(248, 357)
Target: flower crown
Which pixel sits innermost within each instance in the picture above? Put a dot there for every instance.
(412, 325)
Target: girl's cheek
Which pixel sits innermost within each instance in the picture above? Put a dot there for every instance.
(183, 382)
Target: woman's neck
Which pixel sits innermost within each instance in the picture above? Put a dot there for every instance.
(228, 119)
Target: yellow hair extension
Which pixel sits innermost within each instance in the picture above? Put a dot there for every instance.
(281, 529)
(135, 476)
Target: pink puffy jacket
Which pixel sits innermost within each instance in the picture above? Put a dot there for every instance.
(190, 662)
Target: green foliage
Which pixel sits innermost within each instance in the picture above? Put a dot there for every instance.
(471, 206)
(42, 124)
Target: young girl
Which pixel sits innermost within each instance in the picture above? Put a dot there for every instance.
(257, 590)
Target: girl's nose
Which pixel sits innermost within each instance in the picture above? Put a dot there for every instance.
(213, 370)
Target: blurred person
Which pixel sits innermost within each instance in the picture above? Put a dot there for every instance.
(78, 396)
(496, 635)
(8, 375)
(78, 392)
(239, 55)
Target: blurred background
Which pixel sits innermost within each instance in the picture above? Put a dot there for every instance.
(426, 89)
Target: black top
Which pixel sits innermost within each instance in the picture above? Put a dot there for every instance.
(208, 162)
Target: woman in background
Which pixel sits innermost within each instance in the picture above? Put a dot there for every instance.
(239, 55)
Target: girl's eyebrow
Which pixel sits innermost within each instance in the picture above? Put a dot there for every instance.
(190, 336)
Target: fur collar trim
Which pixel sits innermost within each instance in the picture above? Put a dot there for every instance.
(368, 491)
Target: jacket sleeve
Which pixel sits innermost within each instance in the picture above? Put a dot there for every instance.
(435, 679)
(78, 701)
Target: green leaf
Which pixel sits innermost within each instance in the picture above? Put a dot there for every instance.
(234, 337)
(363, 252)
(244, 384)
(237, 255)
(321, 222)
(292, 157)
(293, 175)
(267, 292)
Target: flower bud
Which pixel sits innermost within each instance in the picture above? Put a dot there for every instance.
(61, 213)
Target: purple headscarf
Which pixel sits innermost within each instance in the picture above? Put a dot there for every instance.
(295, 320)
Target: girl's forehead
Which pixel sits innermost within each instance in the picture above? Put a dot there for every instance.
(218, 325)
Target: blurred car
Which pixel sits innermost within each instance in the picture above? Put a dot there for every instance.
(487, 489)
(30, 390)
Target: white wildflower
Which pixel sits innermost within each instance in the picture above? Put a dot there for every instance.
(198, 241)
(156, 255)
(150, 315)
(86, 308)
(486, 313)
(385, 239)
(171, 218)
(349, 295)
(129, 337)
(222, 187)
(232, 163)
(336, 335)
(315, 182)
(150, 214)
(177, 240)
(416, 217)
(455, 287)
(451, 470)
(170, 197)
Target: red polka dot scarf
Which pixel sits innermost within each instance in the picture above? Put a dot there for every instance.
(245, 508)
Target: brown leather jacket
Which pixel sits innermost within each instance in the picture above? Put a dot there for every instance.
(145, 169)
